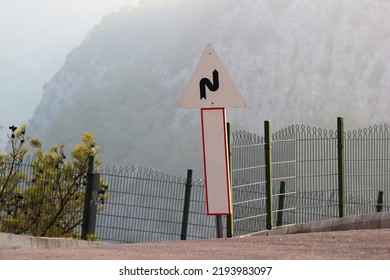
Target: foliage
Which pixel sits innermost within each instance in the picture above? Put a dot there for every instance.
(51, 203)
(10, 171)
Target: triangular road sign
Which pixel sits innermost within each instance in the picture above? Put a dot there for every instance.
(211, 85)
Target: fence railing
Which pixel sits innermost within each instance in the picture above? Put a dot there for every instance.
(254, 172)
(146, 205)
(295, 172)
(367, 169)
(316, 174)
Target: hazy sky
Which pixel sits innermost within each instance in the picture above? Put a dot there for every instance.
(36, 36)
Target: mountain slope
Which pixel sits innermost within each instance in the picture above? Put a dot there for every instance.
(293, 61)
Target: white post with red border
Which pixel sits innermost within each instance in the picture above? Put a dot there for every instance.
(216, 163)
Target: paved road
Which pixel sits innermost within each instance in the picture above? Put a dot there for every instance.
(373, 244)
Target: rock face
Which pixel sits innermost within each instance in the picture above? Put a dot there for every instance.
(293, 61)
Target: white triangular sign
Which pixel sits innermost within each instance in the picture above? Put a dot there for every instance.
(211, 85)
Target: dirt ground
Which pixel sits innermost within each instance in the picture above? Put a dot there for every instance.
(339, 245)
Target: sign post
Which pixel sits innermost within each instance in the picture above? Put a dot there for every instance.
(215, 159)
(212, 90)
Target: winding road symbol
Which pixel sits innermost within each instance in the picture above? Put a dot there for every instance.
(212, 86)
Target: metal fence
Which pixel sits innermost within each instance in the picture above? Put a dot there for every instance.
(316, 174)
(248, 164)
(249, 170)
(367, 169)
(310, 180)
(146, 205)
(294, 175)
(305, 186)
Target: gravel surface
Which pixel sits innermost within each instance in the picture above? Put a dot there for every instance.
(338, 245)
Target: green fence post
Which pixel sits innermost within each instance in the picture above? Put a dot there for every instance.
(340, 165)
(90, 201)
(268, 173)
(186, 208)
(279, 219)
(230, 219)
(379, 202)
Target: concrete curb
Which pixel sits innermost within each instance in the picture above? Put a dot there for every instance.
(366, 221)
(13, 241)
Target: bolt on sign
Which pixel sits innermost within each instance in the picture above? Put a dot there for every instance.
(212, 90)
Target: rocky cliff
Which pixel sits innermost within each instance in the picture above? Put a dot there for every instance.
(293, 61)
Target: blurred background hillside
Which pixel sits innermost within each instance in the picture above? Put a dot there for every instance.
(294, 62)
